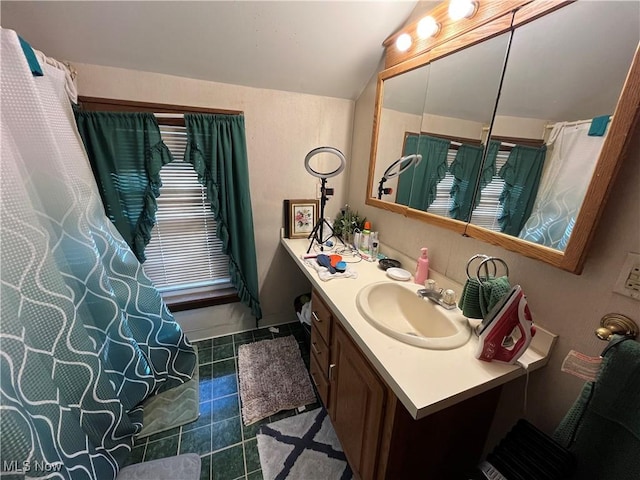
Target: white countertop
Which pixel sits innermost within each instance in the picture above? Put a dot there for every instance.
(425, 381)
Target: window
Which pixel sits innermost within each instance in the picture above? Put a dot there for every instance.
(489, 209)
(442, 203)
(184, 257)
(486, 213)
(184, 254)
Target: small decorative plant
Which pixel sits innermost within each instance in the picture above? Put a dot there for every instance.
(346, 223)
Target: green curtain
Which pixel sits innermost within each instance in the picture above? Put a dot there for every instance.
(465, 170)
(406, 178)
(521, 174)
(430, 172)
(423, 178)
(489, 166)
(216, 147)
(126, 153)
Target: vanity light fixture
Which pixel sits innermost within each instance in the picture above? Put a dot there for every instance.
(403, 43)
(459, 9)
(428, 27)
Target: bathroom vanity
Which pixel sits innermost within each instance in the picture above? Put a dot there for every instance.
(400, 411)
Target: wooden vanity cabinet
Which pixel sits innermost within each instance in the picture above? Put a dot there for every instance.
(321, 322)
(379, 437)
(356, 404)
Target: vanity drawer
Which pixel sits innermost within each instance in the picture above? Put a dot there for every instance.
(320, 317)
(318, 377)
(320, 351)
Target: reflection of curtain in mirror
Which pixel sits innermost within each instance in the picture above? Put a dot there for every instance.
(563, 186)
(418, 188)
(521, 175)
(406, 178)
(465, 170)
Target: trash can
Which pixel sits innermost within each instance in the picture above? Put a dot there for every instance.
(301, 308)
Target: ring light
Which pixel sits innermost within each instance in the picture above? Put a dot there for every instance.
(318, 150)
(404, 162)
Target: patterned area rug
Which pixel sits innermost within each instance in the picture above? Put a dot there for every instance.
(272, 377)
(304, 446)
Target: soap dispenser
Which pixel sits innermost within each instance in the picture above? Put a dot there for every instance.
(422, 269)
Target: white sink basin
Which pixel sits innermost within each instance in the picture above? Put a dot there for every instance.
(397, 310)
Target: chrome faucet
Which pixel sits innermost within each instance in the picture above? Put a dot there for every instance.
(444, 298)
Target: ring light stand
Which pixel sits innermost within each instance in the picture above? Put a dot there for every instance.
(403, 163)
(317, 232)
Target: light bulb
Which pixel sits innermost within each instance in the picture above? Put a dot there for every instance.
(403, 42)
(428, 27)
(459, 9)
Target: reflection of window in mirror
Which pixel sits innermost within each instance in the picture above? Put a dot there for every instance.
(550, 93)
(458, 108)
(440, 153)
(488, 207)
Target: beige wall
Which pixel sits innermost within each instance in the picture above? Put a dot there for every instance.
(569, 305)
(281, 128)
(454, 127)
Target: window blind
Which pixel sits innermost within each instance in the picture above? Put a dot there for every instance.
(184, 252)
(489, 209)
(442, 203)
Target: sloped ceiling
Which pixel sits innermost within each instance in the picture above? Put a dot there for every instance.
(328, 48)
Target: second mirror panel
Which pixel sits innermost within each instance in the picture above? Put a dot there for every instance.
(564, 75)
(401, 112)
(458, 110)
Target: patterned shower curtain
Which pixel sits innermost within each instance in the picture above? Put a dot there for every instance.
(563, 186)
(84, 336)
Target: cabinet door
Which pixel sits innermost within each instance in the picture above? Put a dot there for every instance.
(357, 398)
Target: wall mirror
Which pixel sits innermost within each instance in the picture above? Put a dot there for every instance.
(458, 109)
(403, 98)
(560, 80)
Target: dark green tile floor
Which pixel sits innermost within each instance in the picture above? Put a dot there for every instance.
(227, 448)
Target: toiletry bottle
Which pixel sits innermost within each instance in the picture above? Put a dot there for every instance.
(375, 246)
(422, 269)
(364, 239)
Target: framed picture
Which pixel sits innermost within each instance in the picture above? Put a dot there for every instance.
(300, 216)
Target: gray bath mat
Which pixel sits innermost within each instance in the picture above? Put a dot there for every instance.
(302, 446)
(183, 467)
(272, 377)
(160, 412)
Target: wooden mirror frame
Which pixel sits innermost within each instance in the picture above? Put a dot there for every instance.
(492, 19)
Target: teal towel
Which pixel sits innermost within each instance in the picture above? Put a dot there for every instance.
(492, 290)
(599, 126)
(34, 65)
(469, 301)
(602, 428)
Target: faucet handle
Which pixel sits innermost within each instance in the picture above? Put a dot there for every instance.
(449, 297)
(430, 284)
